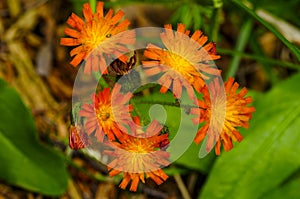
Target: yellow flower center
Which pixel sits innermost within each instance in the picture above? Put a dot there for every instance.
(104, 113)
(95, 33)
(177, 62)
(181, 65)
(139, 147)
(138, 154)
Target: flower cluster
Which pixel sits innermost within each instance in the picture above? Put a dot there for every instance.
(185, 63)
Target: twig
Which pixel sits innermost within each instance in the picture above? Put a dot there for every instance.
(184, 192)
(154, 193)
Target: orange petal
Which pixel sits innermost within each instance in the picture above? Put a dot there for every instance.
(153, 71)
(168, 26)
(75, 22)
(69, 42)
(202, 40)
(117, 17)
(77, 59)
(99, 135)
(180, 28)
(177, 88)
(201, 134)
(228, 84)
(76, 50)
(125, 181)
(196, 35)
(238, 136)
(134, 183)
(123, 25)
(87, 12)
(99, 9)
(95, 63)
(114, 172)
(103, 66)
(218, 147)
(109, 14)
(72, 33)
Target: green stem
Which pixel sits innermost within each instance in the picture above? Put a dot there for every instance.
(93, 5)
(173, 104)
(259, 58)
(292, 47)
(215, 22)
(184, 192)
(240, 46)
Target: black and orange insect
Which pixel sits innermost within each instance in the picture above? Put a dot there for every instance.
(121, 68)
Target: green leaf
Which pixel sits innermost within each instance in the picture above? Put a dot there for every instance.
(286, 190)
(269, 154)
(24, 161)
(242, 41)
(289, 8)
(259, 58)
(251, 12)
(190, 159)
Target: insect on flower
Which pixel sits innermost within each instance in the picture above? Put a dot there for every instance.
(121, 68)
(92, 37)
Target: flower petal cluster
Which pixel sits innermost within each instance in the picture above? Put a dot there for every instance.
(107, 115)
(98, 39)
(222, 110)
(183, 62)
(140, 156)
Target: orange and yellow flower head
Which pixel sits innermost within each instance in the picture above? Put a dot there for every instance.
(222, 110)
(183, 62)
(98, 39)
(107, 114)
(139, 156)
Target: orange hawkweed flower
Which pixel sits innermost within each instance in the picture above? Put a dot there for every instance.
(185, 60)
(222, 111)
(97, 38)
(140, 156)
(107, 115)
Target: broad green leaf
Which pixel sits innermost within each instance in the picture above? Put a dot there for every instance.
(268, 155)
(24, 161)
(288, 190)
